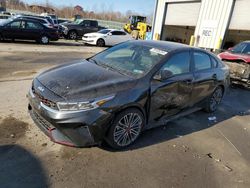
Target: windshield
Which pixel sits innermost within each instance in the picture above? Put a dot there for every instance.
(130, 59)
(239, 48)
(4, 22)
(104, 31)
(78, 21)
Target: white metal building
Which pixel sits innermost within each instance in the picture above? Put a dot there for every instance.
(209, 24)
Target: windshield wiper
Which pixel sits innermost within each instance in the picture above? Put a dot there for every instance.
(94, 61)
(114, 69)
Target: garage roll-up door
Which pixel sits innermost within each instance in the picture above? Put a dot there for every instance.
(241, 15)
(182, 14)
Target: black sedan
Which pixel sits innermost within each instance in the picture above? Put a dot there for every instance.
(27, 29)
(116, 94)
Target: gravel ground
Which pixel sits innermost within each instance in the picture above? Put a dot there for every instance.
(189, 152)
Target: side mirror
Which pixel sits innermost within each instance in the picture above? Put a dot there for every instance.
(109, 34)
(166, 74)
(163, 75)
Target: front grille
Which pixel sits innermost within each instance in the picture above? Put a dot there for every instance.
(43, 122)
(45, 101)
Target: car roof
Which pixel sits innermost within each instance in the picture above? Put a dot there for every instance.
(26, 19)
(32, 17)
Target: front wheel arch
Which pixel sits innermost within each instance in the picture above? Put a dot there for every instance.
(124, 108)
(109, 134)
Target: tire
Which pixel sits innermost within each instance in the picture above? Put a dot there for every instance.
(100, 43)
(135, 34)
(214, 100)
(1, 38)
(44, 39)
(72, 35)
(125, 129)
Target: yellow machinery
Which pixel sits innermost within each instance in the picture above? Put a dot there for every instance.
(137, 27)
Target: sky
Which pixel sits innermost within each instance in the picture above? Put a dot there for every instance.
(145, 7)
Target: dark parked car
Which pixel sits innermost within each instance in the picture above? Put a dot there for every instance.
(27, 29)
(45, 21)
(120, 92)
(79, 28)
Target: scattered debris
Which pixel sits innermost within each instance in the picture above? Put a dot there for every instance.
(212, 119)
(44, 144)
(229, 169)
(174, 145)
(12, 135)
(179, 136)
(217, 160)
(210, 155)
(244, 113)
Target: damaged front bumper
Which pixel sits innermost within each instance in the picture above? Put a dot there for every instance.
(239, 73)
(78, 129)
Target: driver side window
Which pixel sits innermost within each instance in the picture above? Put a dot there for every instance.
(15, 24)
(178, 64)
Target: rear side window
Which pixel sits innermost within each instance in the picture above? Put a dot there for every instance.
(33, 25)
(93, 24)
(201, 61)
(178, 63)
(118, 33)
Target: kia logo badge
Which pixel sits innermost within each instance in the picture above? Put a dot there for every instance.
(40, 88)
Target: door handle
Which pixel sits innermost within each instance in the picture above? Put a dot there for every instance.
(214, 76)
(189, 81)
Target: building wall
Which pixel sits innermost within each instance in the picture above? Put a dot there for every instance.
(213, 22)
(214, 19)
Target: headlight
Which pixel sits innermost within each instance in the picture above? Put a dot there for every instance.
(83, 106)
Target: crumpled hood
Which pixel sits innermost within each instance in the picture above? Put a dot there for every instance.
(234, 56)
(84, 80)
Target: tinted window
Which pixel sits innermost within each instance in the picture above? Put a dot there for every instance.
(178, 63)
(104, 31)
(32, 25)
(118, 33)
(201, 61)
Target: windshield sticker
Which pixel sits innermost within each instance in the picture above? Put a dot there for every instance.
(161, 52)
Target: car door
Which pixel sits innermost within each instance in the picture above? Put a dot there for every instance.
(124, 37)
(13, 30)
(33, 30)
(87, 27)
(114, 38)
(170, 96)
(205, 77)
